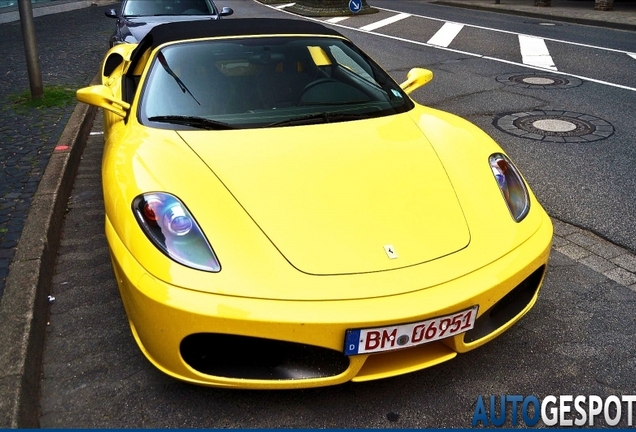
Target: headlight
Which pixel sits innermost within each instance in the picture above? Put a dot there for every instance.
(511, 185)
(171, 228)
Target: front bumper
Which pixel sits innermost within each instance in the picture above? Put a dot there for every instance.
(227, 341)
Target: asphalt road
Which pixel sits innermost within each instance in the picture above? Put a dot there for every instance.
(579, 338)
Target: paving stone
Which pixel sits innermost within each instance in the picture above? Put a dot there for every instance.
(606, 249)
(573, 251)
(597, 263)
(621, 276)
(581, 239)
(626, 261)
(563, 229)
(558, 241)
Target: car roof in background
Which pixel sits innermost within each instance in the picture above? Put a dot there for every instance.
(232, 27)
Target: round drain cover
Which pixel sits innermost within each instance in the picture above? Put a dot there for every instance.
(539, 80)
(554, 126)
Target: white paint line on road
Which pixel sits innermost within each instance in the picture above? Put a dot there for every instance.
(514, 33)
(384, 22)
(337, 19)
(446, 34)
(632, 55)
(485, 57)
(534, 52)
(283, 6)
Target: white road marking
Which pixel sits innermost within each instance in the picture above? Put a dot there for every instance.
(535, 52)
(446, 34)
(384, 22)
(337, 19)
(513, 33)
(594, 80)
(632, 55)
(282, 6)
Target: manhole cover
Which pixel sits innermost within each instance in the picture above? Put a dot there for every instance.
(539, 80)
(554, 126)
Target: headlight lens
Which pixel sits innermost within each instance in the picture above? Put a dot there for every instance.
(511, 185)
(171, 228)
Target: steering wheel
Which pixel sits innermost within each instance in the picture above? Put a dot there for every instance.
(316, 83)
(192, 12)
(313, 84)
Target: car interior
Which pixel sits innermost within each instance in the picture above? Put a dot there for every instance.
(166, 7)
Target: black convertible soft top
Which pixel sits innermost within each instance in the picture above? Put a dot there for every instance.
(185, 30)
(232, 27)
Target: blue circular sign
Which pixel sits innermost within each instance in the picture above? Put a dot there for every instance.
(355, 5)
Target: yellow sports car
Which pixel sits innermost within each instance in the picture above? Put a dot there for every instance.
(281, 214)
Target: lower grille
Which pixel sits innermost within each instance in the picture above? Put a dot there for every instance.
(506, 308)
(247, 357)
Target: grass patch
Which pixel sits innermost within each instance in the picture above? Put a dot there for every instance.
(3, 230)
(54, 96)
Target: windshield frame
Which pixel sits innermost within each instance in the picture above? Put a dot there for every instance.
(365, 89)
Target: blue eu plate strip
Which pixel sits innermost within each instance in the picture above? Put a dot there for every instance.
(352, 340)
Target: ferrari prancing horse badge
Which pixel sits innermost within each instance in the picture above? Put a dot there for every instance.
(390, 251)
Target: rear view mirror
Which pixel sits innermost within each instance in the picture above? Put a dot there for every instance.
(102, 97)
(226, 11)
(415, 79)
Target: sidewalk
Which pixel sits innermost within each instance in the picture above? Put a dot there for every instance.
(35, 179)
(36, 176)
(622, 17)
(11, 14)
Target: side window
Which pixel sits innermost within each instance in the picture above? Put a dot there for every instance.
(359, 68)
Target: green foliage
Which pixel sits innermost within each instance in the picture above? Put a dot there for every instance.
(54, 96)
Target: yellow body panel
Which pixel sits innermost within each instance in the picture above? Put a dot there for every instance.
(338, 194)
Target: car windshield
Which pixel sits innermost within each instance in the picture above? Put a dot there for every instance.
(166, 7)
(266, 81)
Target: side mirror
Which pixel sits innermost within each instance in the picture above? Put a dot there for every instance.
(102, 97)
(415, 79)
(226, 11)
(111, 13)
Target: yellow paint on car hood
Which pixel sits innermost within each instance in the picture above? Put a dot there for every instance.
(340, 198)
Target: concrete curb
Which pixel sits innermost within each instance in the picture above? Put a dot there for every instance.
(24, 308)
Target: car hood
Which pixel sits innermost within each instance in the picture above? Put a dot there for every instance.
(343, 198)
(133, 29)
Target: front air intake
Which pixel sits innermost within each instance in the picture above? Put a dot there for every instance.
(247, 357)
(506, 308)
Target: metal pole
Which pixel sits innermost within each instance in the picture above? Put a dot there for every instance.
(30, 48)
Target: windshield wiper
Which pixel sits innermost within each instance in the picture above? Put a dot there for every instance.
(197, 122)
(323, 117)
(182, 86)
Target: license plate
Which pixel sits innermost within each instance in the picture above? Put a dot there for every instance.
(378, 339)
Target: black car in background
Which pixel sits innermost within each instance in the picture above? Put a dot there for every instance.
(137, 17)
